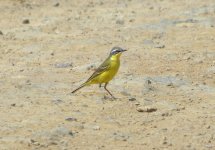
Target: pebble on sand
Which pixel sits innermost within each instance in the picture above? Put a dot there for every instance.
(26, 21)
(14, 104)
(56, 4)
(71, 119)
(132, 99)
(146, 109)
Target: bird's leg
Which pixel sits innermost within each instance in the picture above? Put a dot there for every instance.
(105, 87)
(100, 85)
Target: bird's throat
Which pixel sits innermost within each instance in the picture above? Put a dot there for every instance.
(115, 57)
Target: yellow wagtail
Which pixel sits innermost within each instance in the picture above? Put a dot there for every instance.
(106, 71)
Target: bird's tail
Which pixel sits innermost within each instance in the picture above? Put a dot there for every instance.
(81, 86)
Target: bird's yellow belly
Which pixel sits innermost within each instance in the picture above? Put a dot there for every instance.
(107, 75)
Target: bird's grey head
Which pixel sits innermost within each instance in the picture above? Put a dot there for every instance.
(116, 50)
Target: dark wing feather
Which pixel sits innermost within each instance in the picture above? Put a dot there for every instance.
(102, 68)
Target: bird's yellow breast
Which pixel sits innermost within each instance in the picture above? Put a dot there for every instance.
(111, 72)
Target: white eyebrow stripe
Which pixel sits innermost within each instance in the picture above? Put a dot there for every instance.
(114, 50)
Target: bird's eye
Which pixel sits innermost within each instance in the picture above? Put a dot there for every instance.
(115, 51)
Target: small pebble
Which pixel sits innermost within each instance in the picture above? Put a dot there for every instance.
(148, 82)
(28, 82)
(13, 105)
(71, 119)
(132, 99)
(57, 4)
(137, 103)
(160, 46)
(34, 142)
(26, 21)
(165, 142)
(170, 84)
(71, 133)
(146, 109)
(166, 114)
(131, 20)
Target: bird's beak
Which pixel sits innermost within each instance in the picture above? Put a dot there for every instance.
(124, 50)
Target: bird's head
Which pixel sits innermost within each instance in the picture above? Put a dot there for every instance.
(117, 51)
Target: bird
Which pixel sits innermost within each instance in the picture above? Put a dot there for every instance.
(106, 71)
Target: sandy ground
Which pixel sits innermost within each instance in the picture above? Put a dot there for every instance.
(165, 87)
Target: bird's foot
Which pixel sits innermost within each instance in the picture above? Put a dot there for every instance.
(112, 98)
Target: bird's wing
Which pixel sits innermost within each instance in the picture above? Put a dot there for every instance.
(102, 68)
